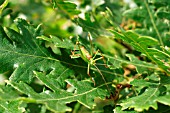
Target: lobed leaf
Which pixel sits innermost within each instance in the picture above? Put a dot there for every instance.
(22, 53)
(151, 90)
(141, 66)
(3, 5)
(119, 110)
(163, 15)
(92, 25)
(151, 18)
(144, 45)
(136, 13)
(164, 99)
(61, 79)
(57, 100)
(143, 101)
(7, 93)
(11, 107)
(65, 43)
(56, 43)
(67, 7)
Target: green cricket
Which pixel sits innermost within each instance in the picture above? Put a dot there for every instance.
(90, 59)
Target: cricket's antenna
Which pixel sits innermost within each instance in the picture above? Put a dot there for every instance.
(91, 45)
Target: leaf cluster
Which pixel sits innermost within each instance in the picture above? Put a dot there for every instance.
(40, 76)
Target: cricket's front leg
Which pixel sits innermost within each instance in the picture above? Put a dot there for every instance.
(75, 55)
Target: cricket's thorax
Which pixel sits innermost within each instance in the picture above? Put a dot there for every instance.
(85, 53)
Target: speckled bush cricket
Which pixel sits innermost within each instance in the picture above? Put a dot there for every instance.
(90, 58)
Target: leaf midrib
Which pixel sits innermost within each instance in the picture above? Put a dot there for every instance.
(52, 59)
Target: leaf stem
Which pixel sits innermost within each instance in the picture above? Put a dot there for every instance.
(153, 23)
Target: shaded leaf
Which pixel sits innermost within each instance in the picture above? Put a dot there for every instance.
(165, 99)
(138, 13)
(164, 15)
(160, 2)
(165, 80)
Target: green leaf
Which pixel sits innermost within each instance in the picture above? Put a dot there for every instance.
(165, 79)
(143, 101)
(160, 2)
(7, 93)
(137, 14)
(164, 99)
(67, 7)
(23, 53)
(144, 45)
(164, 15)
(147, 15)
(60, 43)
(96, 3)
(41, 76)
(92, 25)
(142, 83)
(8, 101)
(152, 90)
(141, 66)
(150, 81)
(56, 43)
(2, 6)
(119, 110)
(57, 100)
(11, 107)
(52, 81)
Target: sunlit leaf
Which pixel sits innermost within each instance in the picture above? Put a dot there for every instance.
(11, 107)
(143, 101)
(141, 66)
(144, 45)
(123, 68)
(57, 100)
(66, 7)
(119, 110)
(164, 99)
(2, 6)
(22, 53)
